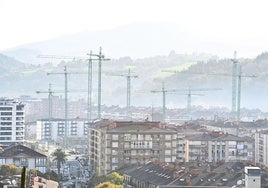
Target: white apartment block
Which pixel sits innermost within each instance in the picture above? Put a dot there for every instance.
(54, 130)
(261, 147)
(11, 121)
(113, 144)
(217, 146)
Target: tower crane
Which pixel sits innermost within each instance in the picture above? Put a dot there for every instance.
(65, 73)
(163, 91)
(50, 94)
(100, 58)
(236, 83)
(49, 91)
(189, 95)
(128, 76)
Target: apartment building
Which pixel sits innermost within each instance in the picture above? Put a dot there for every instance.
(54, 130)
(261, 147)
(113, 144)
(217, 146)
(11, 121)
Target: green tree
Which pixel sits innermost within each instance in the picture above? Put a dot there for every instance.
(111, 180)
(115, 178)
(59, 156)
(9, 169)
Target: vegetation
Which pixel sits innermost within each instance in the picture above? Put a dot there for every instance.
(112, 180)
(10, 169)
(108, 185)
(59, 156)
(18, 78)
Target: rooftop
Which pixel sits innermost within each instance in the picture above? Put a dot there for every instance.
(215, 136)
(190, 174)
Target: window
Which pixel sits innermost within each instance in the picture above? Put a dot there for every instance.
(167, 152)
(6, 113)
(167, 137)
(115, 144)
(168, 144)
(115, 137)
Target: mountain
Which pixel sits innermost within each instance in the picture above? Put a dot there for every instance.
(135, 40)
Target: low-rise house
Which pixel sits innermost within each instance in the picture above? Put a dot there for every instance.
(20, 155)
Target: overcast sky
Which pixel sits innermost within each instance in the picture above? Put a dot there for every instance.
(236, 22)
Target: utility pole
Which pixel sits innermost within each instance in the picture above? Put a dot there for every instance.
(128, 77)
(100, 58)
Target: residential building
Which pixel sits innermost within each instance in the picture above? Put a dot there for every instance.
(261, 147)
(54, 130)
(11, 121)
(112, 144)
(216, 146)
(20, 155)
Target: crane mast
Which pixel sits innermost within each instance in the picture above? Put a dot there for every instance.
(128, 76)
(234, 84)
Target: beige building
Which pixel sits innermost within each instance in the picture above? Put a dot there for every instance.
(113, 144)
(216, 146)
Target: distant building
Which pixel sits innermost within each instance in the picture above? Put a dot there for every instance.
(113, 144)
(54, 130)
(225, 127)
(39, 107)
(216, 146)
(11, 121)
(20, 155)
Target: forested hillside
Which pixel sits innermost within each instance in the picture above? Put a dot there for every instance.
(24, 79)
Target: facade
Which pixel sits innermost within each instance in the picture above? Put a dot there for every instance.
(252, 177)
(20, 155)
(11, 121)
(113, 144)
(261, 147)
(39, 108)
(216, 146)
(54, 130)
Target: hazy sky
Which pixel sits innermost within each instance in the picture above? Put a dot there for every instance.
(236, 22)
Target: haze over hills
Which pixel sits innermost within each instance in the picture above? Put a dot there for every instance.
(135, 40)
(24, 79)
(147, 49)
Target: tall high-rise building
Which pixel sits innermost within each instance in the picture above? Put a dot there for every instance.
(11, 121)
